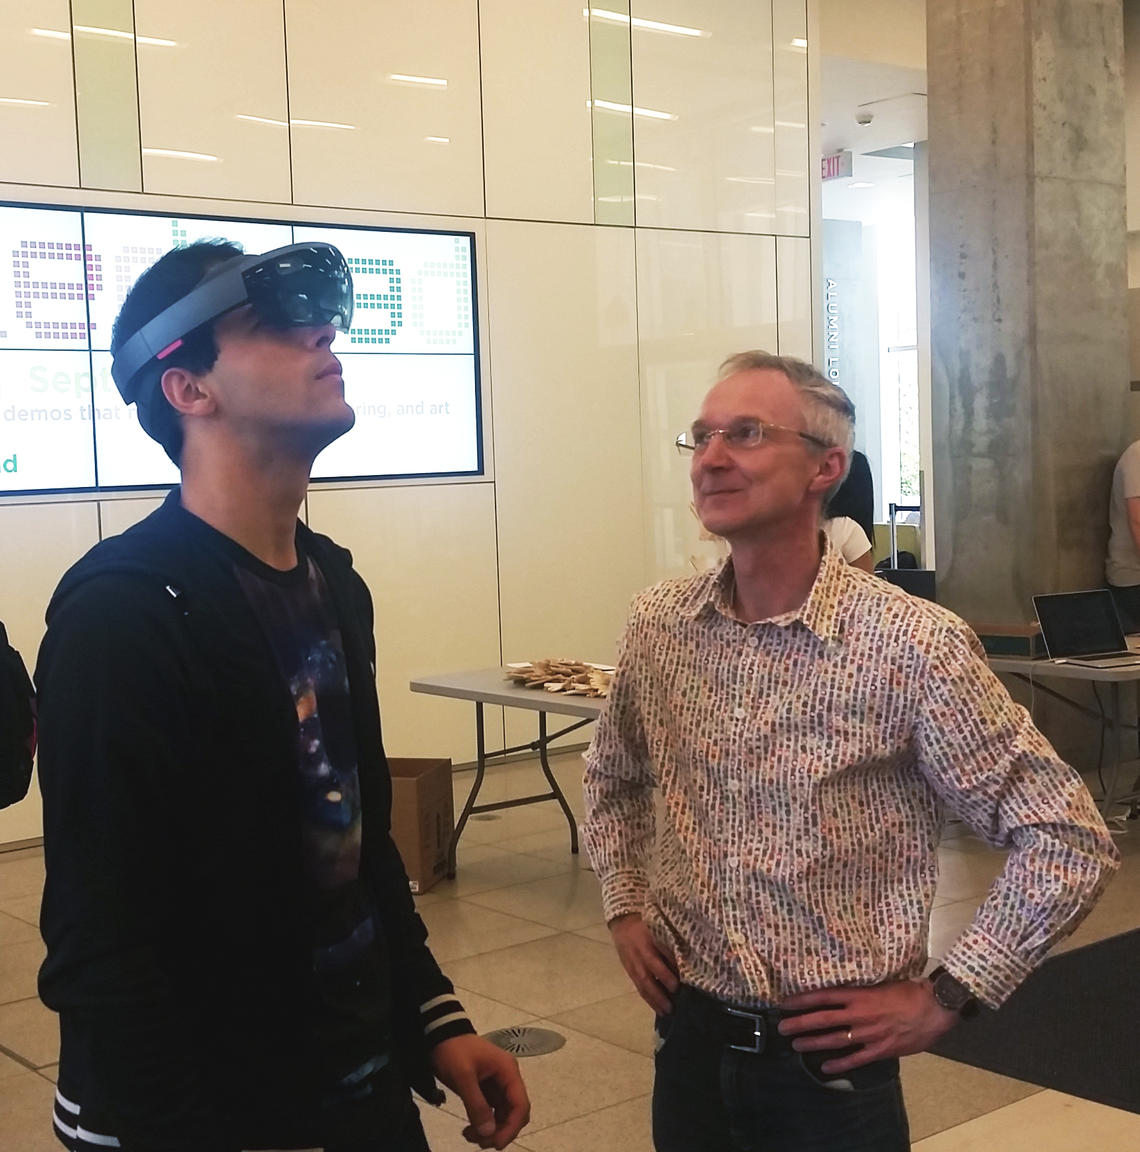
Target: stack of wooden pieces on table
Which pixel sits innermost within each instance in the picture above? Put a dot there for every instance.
(570, 677)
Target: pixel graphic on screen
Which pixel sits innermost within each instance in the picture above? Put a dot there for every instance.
(410, 359)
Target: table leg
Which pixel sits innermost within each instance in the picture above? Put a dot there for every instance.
(473, 795)
(558, 795)
(1119, 732)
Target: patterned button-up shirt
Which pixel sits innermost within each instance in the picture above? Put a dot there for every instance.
(804, 766)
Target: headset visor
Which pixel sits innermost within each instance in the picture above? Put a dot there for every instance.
(300, 285)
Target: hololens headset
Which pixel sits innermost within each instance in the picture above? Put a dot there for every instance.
(300, 285)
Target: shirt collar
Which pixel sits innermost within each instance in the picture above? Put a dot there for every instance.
(819, 613)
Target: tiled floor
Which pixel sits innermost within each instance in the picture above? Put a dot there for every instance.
(520, 932)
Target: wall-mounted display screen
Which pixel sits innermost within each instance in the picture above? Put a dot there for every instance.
(410, 359)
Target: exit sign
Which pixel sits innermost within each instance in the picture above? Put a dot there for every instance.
(836, 165)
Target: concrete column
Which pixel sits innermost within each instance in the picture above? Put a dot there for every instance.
(1028, 268)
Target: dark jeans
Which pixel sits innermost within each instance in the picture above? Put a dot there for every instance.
(708, 1097)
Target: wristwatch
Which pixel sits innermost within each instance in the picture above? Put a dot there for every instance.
(952, 994)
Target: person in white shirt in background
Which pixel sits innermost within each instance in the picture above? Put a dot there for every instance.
(850, 541)
(1122, 565)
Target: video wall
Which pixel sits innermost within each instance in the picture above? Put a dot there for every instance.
(410, 360)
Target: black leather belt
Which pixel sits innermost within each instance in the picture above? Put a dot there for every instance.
(754, 1030)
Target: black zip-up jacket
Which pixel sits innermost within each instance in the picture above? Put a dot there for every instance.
(177, 953)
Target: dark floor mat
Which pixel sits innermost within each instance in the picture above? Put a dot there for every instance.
(1074, 1025)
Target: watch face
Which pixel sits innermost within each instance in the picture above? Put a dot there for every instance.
(950, 993)
(947, 992)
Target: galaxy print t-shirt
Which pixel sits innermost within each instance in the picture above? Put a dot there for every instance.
(349, 962)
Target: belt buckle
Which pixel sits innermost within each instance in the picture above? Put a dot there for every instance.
(759, 1031)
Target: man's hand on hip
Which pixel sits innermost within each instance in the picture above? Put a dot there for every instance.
(884, 1020)
(652, 970)
(488, 1082)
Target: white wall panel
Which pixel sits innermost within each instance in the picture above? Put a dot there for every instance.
(48, 539)
(790, 123)
(611, 90)
(536, 115)
(700, 298)
(37, 117)
(793, 290)
(117, 516)
(564, 362)
(711, 163)
(428, 555)
(411, 145)
(567, 449)
(229, 63)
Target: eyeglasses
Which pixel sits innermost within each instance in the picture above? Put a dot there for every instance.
(740, 434)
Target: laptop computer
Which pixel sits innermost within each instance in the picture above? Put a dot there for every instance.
(1083, 628)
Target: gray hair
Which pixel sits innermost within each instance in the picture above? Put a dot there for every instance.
(829, 414)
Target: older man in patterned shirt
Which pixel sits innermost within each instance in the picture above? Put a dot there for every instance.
(807, 726)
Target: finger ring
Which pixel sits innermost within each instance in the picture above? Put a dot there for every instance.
(848, 1035)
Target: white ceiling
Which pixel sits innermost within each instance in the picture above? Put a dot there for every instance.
(894, 98)
(882, 31)
(873, 62)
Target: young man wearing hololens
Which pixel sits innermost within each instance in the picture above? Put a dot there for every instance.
(231, 945)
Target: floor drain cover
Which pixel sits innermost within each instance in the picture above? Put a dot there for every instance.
(523, 1041)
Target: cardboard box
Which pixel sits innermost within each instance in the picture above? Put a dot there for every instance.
(423, 817)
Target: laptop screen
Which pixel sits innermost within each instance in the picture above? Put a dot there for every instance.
(1079, 623)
